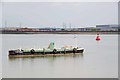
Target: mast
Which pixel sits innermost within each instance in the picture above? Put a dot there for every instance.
(75, 39)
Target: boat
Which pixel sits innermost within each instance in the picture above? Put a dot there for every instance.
(50, 51)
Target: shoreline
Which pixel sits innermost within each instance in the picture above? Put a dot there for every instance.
(59, 32)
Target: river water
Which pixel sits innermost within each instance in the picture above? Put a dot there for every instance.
(99, 60)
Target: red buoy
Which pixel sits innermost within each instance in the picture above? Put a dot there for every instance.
(98, 37)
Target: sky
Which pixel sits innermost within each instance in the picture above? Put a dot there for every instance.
(55, 14)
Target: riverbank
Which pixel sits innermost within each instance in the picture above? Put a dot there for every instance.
(62, 32)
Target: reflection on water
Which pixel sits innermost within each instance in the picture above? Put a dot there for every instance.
(47, 57)
(98, 42)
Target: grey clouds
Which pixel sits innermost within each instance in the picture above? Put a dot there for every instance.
(54, 14)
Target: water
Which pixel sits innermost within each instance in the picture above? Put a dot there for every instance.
(100, 59)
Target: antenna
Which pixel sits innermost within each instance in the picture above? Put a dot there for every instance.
(20, 25)
(70, 25)
(6, 24)
(64, 25)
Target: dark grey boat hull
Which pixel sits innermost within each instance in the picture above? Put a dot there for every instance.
(13, 52)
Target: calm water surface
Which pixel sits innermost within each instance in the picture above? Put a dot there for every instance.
(100, 59)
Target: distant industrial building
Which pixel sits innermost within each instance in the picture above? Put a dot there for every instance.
(86, 29)
(107, 27)
(25, 29)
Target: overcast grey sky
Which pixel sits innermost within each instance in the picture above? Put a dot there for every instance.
(48, 14)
